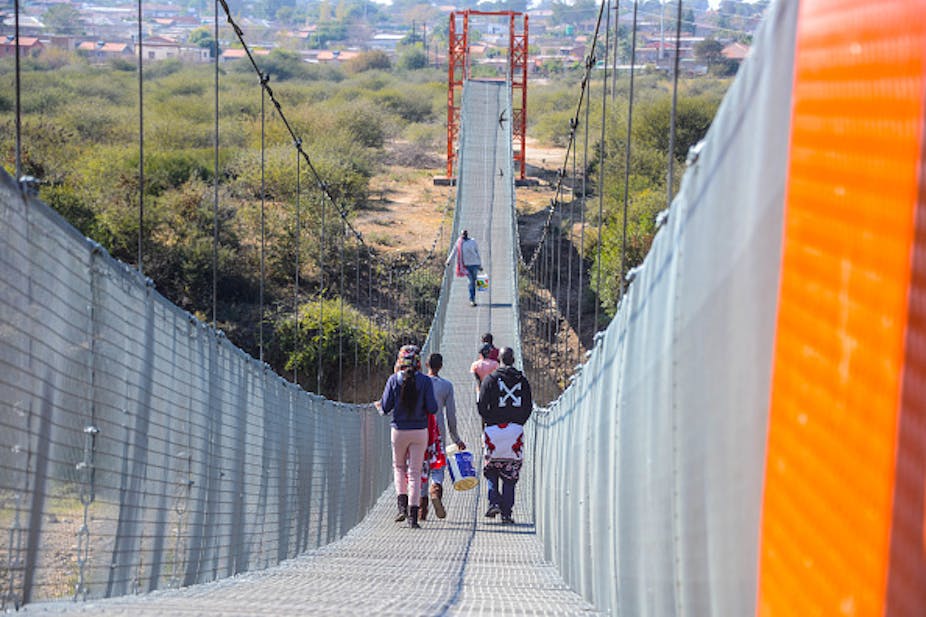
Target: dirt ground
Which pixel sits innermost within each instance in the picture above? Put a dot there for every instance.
(405, 209)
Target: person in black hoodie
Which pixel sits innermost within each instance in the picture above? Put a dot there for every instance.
(505, 404)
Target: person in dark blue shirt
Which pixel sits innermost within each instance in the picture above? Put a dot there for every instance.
(409, 397)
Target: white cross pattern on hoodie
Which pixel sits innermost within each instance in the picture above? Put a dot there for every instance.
(506, 393)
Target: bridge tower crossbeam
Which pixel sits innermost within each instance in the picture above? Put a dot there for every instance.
(460, 69)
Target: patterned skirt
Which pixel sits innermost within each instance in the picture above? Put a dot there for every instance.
(508, 469)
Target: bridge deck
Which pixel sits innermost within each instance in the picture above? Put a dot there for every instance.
(464, 564)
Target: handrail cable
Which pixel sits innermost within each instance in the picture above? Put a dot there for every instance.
(633, 59)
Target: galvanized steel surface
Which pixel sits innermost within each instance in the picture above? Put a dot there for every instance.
(649, 468)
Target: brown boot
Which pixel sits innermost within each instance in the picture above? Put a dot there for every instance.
(437, 494)
(423, 509)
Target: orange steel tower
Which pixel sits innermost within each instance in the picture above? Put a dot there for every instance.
(459, 70)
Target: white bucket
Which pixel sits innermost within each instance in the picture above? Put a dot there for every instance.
(460, 464)
(482, 282)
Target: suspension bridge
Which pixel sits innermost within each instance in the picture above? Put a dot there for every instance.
(746, 437)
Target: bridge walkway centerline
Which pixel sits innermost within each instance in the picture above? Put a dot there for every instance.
(464, 564)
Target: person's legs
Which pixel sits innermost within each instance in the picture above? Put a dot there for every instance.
(492, 479)
(417, 443)
(400, 440)
(400, 471)
(506, 502)
(471, 272)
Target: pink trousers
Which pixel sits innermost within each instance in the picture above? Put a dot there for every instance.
(407, 457)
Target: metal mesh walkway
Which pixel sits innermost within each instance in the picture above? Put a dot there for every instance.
(464, 564)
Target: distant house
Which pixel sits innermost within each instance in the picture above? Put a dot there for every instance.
(101, 51)
(735, 51)
(28, 45)
(162, 10)
(230, 55)
(385, 41)
(160, 48)
(336, 56)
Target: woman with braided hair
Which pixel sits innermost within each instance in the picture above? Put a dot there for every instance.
(409, 397)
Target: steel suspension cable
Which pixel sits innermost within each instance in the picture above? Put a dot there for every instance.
(18, 80)
(602, 153)
(569, 248)
(296, 277)
(341, 310)
(263, 198)
(582, 232)
(320, 183)
(141, 145)
(670, 183)
(215, 178)
(573, 123)
(617, 38)
(633, 59)
(356, 303)
(321, 300)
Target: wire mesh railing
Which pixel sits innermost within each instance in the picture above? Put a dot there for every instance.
(139, 448)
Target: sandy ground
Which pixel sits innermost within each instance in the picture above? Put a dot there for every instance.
(405, 209)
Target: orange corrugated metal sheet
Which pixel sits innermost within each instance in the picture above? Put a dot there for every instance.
(839, 365)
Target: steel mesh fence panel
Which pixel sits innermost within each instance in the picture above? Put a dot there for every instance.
(648, 470)
(139, 448)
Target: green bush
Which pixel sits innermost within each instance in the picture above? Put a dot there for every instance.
(323, 329)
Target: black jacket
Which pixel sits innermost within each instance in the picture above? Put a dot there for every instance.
(505, 396)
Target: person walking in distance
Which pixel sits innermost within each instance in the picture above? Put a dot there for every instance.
(483, 366)
(505, 404)
(409, 397)
(446, 412)
(468, 263)
(487, 339)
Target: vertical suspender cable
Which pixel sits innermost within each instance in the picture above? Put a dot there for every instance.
(633, 59)
(296, 278)
(19, 124)
(141, 147)
(602, 153)
(569, 246)
(341, 311)
(215, 176)
(354, 327)
(263, 197)
(551, 307)
(671, 180)
(370, 314)
(582, 219)
(617, 46)
(321, 300)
